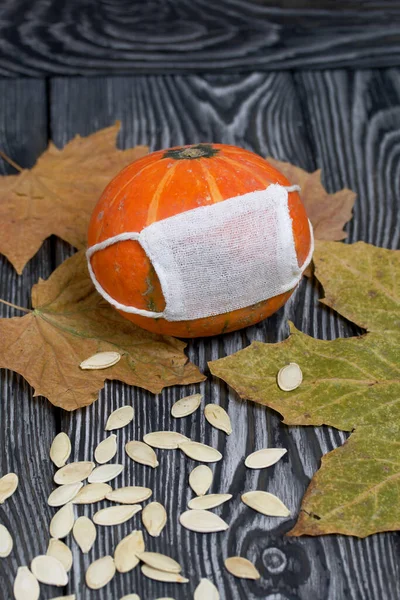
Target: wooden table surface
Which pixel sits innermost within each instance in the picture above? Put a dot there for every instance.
(345, 121)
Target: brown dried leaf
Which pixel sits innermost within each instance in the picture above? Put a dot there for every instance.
(328, 213)
(70, 321)
(58, 194)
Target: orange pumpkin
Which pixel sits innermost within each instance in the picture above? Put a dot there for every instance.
(165, 183)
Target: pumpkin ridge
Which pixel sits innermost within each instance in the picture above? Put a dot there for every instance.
(265, 183)
(153, 208)
(216, 195)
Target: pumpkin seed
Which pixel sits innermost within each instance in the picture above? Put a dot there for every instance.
(115, 515)
(289, 377)
(6, 542)
(106, 450)
(92, 492)
(105, 473)
(101, 360)
(127, 551)
(186, 406)
(202, 521)
(200, 479)
(218, 417)
(49, 570)
(60, 449)
(120, 418)
(71, 597)
(154, 518)
(142, 453)
(8, 485)
(161, 562)
(130, 597)
(200, 452)
(64, 494)
(74, 472)
(62, 522)
(241, 567)
(26, 586)
(165, 440)
(206, 590)
(264, 458)
(129, 494)
(61, 552)
(84, 532)
(100, 572)
(163, 575)
(266, 504)
(209, 501)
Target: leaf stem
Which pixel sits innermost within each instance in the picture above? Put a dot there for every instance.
(27, 310)
(10, 161)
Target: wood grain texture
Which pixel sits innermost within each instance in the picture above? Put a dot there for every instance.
(270, 114)
(88, 37)
(27, 425)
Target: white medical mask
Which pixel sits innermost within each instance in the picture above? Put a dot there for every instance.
(218, 258)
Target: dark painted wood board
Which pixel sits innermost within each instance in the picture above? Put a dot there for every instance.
(293, 119)
(89, 37)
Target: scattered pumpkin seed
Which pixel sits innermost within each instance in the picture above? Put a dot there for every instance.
(49, 570)
(84, 532)
(127, 551)
(209, 501)
(64, 494)
(129, 494)
(6, 542)
(60, 449)
(266, 504)
(101, 360)
(8, 485)
(100, 572)
(61, 552)
(154, 518)
(74, 472)
(206, 590)
(186, 406)
(200, 452)
(62, 522)
(289, 377)
(92, 492)
(163, 575)
(142, 453)
(161, 562)
(106, 450)
(71, 597)
(165, 440)
(200, 479)
(115, 515)
(202, 521)
(26, 586)
(120, 418)
(105, 473)
(130, 597)
(241, 567)
(218, 417)
(264, 458)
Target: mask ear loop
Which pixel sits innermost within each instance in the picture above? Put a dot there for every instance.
(122, 237)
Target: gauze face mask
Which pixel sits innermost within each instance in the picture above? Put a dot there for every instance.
(218, 258)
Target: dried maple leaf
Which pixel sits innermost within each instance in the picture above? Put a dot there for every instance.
(58, 194)
(348, 383)
(71, 322)
(328, 213)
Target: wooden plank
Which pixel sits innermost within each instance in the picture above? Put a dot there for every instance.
(49, 37)
(261, 112)
(27, 425)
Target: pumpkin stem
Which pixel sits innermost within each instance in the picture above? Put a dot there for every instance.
(190, 152)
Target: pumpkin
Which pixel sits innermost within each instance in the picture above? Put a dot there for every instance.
(165, 183)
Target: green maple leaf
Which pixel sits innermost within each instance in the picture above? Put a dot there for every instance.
(352, 384)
